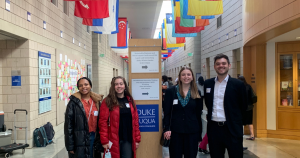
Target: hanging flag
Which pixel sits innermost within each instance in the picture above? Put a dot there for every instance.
(201, 8)
(91, 9)
(172, 41)
(184, 10)
(107, 25)
(188, 22)
(119, 40)
(164, 42)
(181, 34)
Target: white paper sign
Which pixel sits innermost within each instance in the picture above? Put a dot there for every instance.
(73, 40)
(58, 82)
(61, 34)
(60, 57)
(144, 62)
(66, 102)
(59, 73)
(66, 58)
(145, 89)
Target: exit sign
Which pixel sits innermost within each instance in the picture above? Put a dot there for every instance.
(190, 54)
(101, 55)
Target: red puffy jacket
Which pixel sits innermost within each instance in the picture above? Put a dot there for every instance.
(111, 133)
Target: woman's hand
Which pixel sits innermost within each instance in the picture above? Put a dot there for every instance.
(167, 135)
(106, 146)
(71, 152)
(137, 145)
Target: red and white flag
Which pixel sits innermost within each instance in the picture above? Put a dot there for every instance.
(92, 9)
(119, 40)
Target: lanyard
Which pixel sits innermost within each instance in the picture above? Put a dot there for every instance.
(90, 110)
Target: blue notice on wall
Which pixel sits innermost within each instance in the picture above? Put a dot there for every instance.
(148, 117)
(16, 81)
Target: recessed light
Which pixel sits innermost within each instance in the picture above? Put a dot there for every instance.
(297, 37)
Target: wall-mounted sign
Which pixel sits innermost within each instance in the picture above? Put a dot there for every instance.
(145, 89)
(61, 34)
(44, 82)
(148, 118)
(102, 55)
(73, 40)
(190, 54)
(144, 62)
(16, 78)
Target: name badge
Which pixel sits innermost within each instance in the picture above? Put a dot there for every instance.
(95, 113)
(175, 101)
(208, 90)
(127, 105)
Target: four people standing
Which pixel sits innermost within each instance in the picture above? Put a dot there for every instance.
(225, 98)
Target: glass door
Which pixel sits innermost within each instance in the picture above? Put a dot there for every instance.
(286, 79)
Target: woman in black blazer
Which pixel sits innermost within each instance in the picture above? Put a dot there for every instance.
(182, 116)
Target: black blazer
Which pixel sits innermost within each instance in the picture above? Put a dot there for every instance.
(184, 119)
(235, 104)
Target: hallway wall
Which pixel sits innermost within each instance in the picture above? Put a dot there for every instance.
(103, 66)
(214, 40)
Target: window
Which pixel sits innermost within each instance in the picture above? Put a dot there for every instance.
(219, 21)
(207, 68)
(114, 72)
(66, 8)
(87, 29)
(54, 2)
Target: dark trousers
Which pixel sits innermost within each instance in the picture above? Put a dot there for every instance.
(126, 149)
(219, 138)
(183, 144)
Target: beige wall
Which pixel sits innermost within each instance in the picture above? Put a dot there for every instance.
(22, 54)
(103, 66)
(261, 16)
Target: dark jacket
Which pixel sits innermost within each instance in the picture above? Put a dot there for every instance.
(76, 127)
(185, 119)
(111, 132)
(235, 103)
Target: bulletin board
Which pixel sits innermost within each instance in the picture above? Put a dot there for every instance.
(69, 68)
(44, 82)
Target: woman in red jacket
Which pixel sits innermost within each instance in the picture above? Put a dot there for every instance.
(119, 121)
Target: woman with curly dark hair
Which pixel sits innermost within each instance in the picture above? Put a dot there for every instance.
(119, 121)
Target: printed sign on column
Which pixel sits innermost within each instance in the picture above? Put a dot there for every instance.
(44, 82)
(145, 89)
(148, 118)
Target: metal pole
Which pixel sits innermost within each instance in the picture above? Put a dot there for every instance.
(26, 129)
(15, 128)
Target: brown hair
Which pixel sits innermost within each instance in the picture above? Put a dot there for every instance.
(194, 89)
(220, 56)
(112, 100)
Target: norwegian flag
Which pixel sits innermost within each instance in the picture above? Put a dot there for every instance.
(92, 9)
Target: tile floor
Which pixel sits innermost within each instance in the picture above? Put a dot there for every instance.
(261, 147)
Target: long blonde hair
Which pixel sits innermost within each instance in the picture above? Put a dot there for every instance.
(194, 89)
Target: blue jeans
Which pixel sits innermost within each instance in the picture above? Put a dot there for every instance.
(92, 138)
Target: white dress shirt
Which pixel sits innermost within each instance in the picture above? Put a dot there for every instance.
(218, 113)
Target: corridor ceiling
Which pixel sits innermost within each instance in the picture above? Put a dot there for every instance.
(142, 16)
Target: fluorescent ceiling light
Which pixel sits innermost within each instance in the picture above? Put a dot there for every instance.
(165, 8)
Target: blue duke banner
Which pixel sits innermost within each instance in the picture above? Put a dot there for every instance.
(148, 117)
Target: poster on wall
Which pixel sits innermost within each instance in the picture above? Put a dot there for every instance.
(44, 82)
(145, 89)
(69, 71)
(148, 118)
